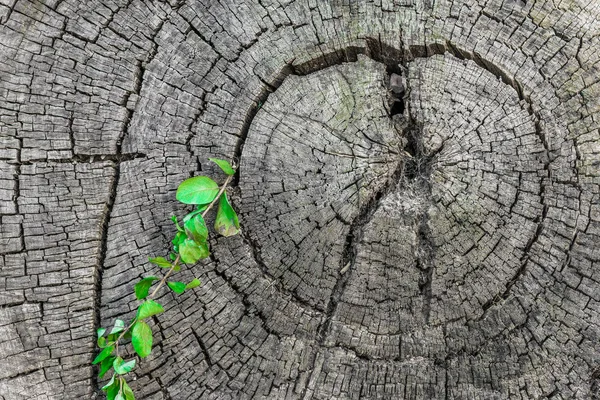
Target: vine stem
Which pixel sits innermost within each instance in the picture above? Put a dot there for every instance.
(164, 279)
(174, 265)
(218, 195)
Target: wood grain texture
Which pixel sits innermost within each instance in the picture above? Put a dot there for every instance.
(433, 239)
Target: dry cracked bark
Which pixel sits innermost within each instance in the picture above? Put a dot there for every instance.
(439, 242)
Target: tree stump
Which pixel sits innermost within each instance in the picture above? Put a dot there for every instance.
(418, 189)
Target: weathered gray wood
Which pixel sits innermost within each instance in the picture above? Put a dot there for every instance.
(436, 243)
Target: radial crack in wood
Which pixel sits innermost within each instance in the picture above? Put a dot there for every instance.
(419, 190)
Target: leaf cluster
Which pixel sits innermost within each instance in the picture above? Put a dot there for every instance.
(189, 245)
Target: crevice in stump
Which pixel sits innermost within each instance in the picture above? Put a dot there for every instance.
(256, 255)
(102, 258)
(261, 98)
(117, 158)
(17, 211)
(349, 253)
(203, 348)
(540, 220)
(416, 171)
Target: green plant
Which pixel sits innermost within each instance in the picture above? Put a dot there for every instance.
(190, 244)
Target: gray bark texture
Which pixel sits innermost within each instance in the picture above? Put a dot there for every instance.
(418, 189)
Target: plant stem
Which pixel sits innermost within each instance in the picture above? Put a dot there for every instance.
(163, 280)
(218, 195)
(123, 334)
(151, 295)
(173, 266)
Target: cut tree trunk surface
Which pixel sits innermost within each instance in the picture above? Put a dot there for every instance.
(418, 189)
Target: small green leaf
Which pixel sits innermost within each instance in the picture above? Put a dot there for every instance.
(195, 283)
(226, 222)
(109, 384)
(103, 354)
(224, 165)
(174, 219)
(143, 287)
(148, 309)
(112, 338)
(106, 365)
(191, 251)
(121, 367)
(127, 391)
(128, 366)
(119, 327)
(197, 190)
(196, 229)
(118, 361)
(177, 287)
(192, 215)
(160, 261)
(101, 342)
(100, 332)
(113, 391)
(141, 339)
(178, 239)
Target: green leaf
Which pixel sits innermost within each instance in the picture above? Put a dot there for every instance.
(192, 215)
(119, 396)
(195, 283)
(226, 222)
(177, 287)
(101, 332)
(121, 367)
(101, 342)
(196, 229)
(143, 287)
(103, 354)
(148, 309)
(112, 338)
(106, 365)
(160, 261)
(191, 251)
(127, 391)
(113, 391)
(197, 190)
(119, 327)
(178, 239)
(109, 384)
(141, 339)
(224, 165)
(174, 219)
(128, 366)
